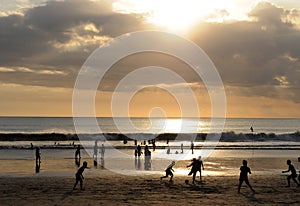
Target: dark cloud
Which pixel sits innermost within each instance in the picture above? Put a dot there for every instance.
(54, 36)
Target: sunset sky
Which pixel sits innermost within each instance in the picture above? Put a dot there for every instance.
(255, 46)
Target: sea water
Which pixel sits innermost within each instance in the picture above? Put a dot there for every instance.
(61, 161)
(170, 125)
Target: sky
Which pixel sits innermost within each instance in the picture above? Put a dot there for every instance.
(255, 46)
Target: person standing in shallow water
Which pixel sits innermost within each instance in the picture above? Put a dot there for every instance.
(293, 174)
(244, 176)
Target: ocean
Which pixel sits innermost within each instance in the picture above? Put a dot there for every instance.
(65, 125)
(274, 138)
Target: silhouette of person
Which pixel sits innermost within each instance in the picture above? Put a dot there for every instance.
(79, 175)
(200, 165)
(139, 150)
(192, 147)
(37, 159)
(169, 171)
(168, 150)
(293, 174)
(77, 152)
(95, 155)
(181, 147)
(153, 144)
(244, 176)
(251, 128)
(146, 150)
(31, 146)
(195, 168)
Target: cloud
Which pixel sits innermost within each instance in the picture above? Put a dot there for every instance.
(261, 53)
(58, 36)
(259, 57)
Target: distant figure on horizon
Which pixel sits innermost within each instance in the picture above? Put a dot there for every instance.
(77, 152)
(79, 175)
(192, 147)
(251, 128)
(169, 171)
(293, 174)
(181, 147)
(244, 176)
(31, 146)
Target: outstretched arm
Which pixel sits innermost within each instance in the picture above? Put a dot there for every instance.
(286, 171)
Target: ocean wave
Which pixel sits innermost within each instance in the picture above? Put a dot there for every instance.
(224, 137)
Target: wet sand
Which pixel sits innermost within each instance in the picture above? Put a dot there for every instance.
(103, 187)
(114, 189)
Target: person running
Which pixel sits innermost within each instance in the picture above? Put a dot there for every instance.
(293, 174)
(244, 176)
(169, 171)
(195, 168)
(79, 176)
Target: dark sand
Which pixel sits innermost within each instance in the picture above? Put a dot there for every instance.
(113, 189)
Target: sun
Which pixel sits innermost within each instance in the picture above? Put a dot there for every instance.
(174, 15)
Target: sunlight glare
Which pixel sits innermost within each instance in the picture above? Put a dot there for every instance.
(177, 15)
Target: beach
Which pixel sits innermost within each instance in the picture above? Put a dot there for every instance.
(113, 189)
(104, 187)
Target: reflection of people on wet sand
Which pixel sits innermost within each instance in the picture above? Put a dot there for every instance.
(77, 161)
(95, 155)
(169, 171)
(244, 176)
(293, 174)
(192, 147)
(102, 150)
(77, 152)
(79, 175)
(147, 163)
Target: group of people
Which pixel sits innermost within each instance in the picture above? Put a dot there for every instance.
(197, 164)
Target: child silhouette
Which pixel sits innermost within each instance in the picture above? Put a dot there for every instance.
(293, 174)
(169, 171)
(79, 176)
(244, 176)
